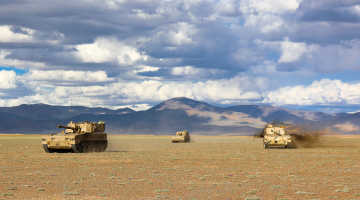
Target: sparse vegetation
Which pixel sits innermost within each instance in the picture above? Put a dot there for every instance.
(303, 192)
(6, 194)
(252, 198)
(161, 190)
(70, 193)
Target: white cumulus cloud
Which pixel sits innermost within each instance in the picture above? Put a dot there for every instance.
(127, 93)
(8, 79)
(178, 34)
(15, 34)
(270, 6)
(292, 51)
(107, 50)
(7, 35)
(265, 15)
(192, 72)
(319, 92)
(52, 75)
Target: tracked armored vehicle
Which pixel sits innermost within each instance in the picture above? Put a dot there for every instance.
(83, 137)
(276, 137)
(181, 136)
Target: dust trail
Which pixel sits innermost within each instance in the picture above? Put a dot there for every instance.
(194, 139)
(306, 140)
(115, 146)
(305, 137)
(111, 147)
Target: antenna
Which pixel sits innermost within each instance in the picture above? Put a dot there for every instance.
(70, 102)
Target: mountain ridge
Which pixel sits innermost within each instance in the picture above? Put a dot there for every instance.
(49, 112)
(170, 116)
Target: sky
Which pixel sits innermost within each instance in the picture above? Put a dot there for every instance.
(296, 54)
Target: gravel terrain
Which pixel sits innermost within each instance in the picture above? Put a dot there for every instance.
(210, 167)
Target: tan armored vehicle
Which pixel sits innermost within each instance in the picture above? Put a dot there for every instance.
(276, 136)
(181, 136)
(83, 137)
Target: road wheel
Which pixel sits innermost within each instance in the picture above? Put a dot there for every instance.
(85, 149)
(80, 148)
(288, 145)
(99, 148)
(266, 145)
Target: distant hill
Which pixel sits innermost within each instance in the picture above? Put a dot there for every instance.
(174, 115)
(48, 112)
(346, 124)
(271, 113)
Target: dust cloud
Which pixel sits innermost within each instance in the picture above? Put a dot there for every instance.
(304, 136)
(306, 140)
(114, 147)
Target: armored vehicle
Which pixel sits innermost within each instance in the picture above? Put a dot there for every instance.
(181, 136)
(276, 136)
(82, 137)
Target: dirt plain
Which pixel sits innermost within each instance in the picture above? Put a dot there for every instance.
(210, 167)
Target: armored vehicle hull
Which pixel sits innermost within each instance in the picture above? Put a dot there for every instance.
(276, 137)
(78, 137)
(78, 143)
(181, 136)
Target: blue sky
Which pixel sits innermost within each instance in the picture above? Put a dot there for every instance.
(16, 70)
(296, 54)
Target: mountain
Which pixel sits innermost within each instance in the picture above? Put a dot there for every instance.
(186, 103)
(271, 113)
(173, 115)
(48, 112)
(345, 124)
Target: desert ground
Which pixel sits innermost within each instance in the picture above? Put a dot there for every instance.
(210, 167)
